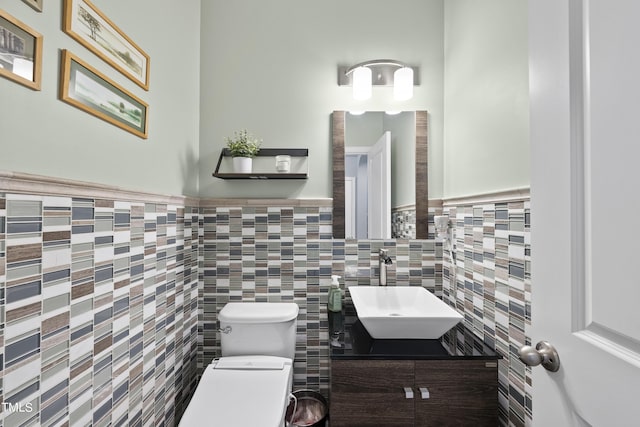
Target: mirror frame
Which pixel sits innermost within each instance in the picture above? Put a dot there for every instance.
(422, 179)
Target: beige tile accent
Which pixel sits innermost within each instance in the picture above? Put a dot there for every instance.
(121, 284)
(24, 252)
(136, 371)
(102, 344)
(78, 370)
(82, 274)
(101, 203)
(23, 311)
(54, 323)
(52, 236)
(79, 291)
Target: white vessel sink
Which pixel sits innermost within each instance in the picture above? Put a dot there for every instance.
(399, 312)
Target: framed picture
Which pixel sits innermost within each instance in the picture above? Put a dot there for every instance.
(88, 89)
(20, 52)
(35, 4)
(91, 28)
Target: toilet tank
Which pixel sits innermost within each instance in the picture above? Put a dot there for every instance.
(258, 328)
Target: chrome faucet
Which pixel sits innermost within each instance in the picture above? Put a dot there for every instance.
(383, 260)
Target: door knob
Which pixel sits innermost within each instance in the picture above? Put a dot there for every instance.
(544, 354)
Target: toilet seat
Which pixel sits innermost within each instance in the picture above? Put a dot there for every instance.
(240, 391)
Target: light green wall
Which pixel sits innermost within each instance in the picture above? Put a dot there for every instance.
(486, 101)
(271, 67)
(41, 135)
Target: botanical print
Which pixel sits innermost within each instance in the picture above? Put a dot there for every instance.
(94, 94)
(104, 38)
(89, 90)
(85, 23)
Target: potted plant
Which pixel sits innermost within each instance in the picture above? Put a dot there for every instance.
(243, 147)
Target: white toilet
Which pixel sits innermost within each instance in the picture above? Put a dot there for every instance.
(251, 383)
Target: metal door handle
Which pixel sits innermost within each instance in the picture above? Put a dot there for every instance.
(424, 392)
(408, 393)
(544, 354)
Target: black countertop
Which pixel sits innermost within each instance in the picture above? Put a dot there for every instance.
(349, 339)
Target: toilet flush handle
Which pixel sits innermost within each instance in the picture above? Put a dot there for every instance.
(225, 330)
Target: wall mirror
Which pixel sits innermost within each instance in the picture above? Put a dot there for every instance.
(380, 175)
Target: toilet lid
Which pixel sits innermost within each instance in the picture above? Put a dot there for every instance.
(230, 396)
(258, 312)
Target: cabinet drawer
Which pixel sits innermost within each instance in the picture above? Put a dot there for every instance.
(371, 410)
(461, 393)
(371, 394)
(371, 376)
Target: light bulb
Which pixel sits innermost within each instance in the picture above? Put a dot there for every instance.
(362, 83)
(403, 84)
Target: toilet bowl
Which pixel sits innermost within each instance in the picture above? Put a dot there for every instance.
(241, 391)
(251, 383)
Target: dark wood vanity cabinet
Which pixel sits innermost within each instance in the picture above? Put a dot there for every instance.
(372, 393)
(369, 393)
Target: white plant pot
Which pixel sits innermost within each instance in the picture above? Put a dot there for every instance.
(242, 164)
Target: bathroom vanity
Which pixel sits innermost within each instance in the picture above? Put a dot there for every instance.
(451, 381)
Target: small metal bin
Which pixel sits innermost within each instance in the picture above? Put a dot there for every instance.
(310, 411)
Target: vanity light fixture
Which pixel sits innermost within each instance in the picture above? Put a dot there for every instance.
(380, 72)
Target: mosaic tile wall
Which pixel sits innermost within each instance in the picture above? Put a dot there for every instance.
(288, 254)
(98, 320)
(108, 309)
(403, 223)
(492, 288)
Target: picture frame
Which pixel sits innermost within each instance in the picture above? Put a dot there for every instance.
(88, 89)
(86, 24)
(34, 4)
(20, 52)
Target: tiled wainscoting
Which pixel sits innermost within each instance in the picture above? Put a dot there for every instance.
(109, 299)
(279, 252)
(99, 310)
(493, 288)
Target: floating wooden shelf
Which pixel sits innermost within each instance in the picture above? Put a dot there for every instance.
(265, 152)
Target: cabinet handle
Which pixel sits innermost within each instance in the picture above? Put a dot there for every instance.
(424, 392)
(408, 393)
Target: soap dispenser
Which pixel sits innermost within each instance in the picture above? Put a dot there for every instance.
(335, 295)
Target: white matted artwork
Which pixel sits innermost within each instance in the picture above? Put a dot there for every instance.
(86, 88)
(20, 52)
(85, 23)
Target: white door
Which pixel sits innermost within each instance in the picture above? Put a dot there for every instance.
(585, 200)
(379, 172)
